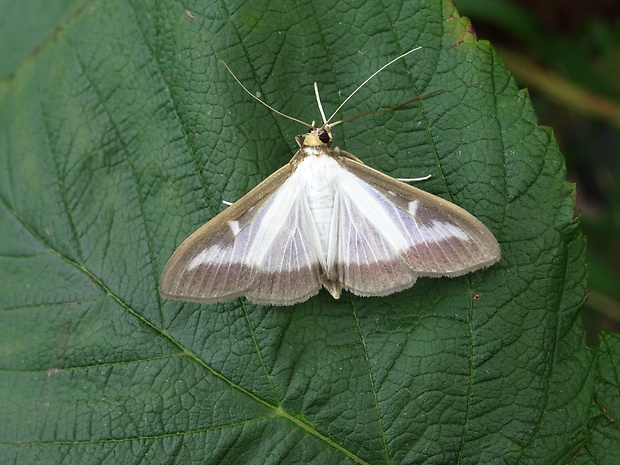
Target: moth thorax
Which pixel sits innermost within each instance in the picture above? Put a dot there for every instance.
(318, 136)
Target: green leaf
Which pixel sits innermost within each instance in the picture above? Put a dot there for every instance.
(25, 26)
(604, 428)
(123, 134)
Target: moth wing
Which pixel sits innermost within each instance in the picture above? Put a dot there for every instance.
(260, 247)
(391, 233)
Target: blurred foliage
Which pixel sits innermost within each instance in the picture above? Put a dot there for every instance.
(566, 52)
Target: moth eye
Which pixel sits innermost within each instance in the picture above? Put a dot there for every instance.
(324, 137)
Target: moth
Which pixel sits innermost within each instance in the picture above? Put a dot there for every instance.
(326, 220)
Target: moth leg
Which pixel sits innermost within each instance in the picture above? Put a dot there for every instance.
(339, 151)
(423, 178)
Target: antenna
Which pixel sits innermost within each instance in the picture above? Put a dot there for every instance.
(256, 98)
(318, 101)
(369, 78)
(318, 98)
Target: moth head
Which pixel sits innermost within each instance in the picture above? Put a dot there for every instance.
(319, 136)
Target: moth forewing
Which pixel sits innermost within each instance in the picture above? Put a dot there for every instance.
(185, 279)
(471, 245)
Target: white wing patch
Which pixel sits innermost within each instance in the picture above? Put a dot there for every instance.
(281, 226)
(234, 227)
(401, 228)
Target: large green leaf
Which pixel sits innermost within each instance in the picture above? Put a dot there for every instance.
(123, 134)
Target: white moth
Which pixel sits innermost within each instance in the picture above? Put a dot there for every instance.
(326, 220)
